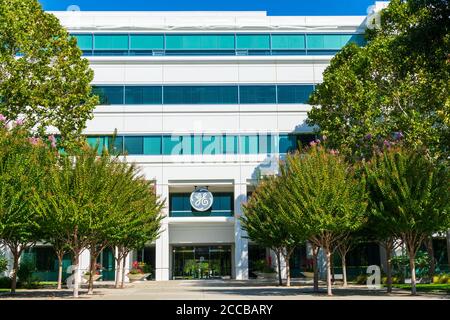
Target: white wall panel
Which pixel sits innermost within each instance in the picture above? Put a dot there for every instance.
(208, 233)
(144, 74)
(257, 73)
(226, 73)
(106, 74)
(295, 73)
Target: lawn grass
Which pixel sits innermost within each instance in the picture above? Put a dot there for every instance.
(422, 287)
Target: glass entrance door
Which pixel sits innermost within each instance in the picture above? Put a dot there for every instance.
(201, 262)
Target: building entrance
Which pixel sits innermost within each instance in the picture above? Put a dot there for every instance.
(201, 262)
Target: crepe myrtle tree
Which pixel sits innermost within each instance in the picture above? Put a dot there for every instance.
(137, 217)
(24, 162)
(265, 223)
(43, 77)
(410, 196)
(329, 201)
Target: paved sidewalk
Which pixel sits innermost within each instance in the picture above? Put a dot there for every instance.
(219, 290)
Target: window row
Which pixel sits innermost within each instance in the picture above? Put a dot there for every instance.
(219, 44)
(200, 144)
(206, 94)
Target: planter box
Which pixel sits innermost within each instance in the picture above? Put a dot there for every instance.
(96, 277)
(137, 277)
(308, 274)
(264, 275)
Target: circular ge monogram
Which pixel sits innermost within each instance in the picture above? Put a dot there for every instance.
(201, 199)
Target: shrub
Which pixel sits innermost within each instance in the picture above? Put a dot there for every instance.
(25, 273)
(5, 282)
(444, 278)
(361, 279)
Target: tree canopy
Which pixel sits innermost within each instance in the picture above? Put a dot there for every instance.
(396, 85)
(43, 79)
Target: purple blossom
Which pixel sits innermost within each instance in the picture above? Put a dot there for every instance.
(312, 143)
(398, 135)
(368, 136)
(2, 118)
(19, 122)
(386, 143)
(317, 141)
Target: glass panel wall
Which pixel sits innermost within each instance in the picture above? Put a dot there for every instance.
(215, 44)
(200, 144)
(201, 262)
(211, 94)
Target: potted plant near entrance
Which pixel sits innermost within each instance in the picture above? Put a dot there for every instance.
(264, 271)
(139, 271)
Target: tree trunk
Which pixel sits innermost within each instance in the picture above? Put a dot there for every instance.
(388, 247)
(412, 266)
(124, 261)
(76, 286)
(280, 280)
(60, 256)
(328, 255)
(16, 256)
(430, 251)
(288, 270)
(118, 270)
(315, 269)
(92, 271)
(344, 268)
(332, 270)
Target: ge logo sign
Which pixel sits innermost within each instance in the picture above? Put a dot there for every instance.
(201, 199)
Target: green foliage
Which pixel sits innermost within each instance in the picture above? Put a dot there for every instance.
(24, 162)
(325, 198)
(5, 282)
(3, 263)
(43, 78)
(398, 85)
(25, 274)
(263, 266)
(409, 193)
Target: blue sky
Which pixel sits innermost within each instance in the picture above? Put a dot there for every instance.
(274, 7)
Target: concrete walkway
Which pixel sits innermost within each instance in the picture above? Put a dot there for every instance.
(219, 290)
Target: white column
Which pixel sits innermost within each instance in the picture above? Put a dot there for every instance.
(84, 262)
(240, 243)
(162, 243)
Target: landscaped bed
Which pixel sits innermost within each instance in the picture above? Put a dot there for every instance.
(429, 288)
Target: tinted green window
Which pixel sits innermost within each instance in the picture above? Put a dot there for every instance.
(249, 144)
(294, 93)
(146, 42)
(230, 144)
(172, 145)
(200, 95)
(109, 94)
(288, 42)
(257, 94)
(134, 145)
(212, 145)
(115, 145)
(84, 41)
(152, 145)
(143, 95)
(253, 41)
(179, 205)
(95, 141)
(287, 143)
(222, 204)
(111, 42)
(332, 41)
(200, 42)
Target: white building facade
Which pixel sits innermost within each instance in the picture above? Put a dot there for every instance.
(205, 100)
